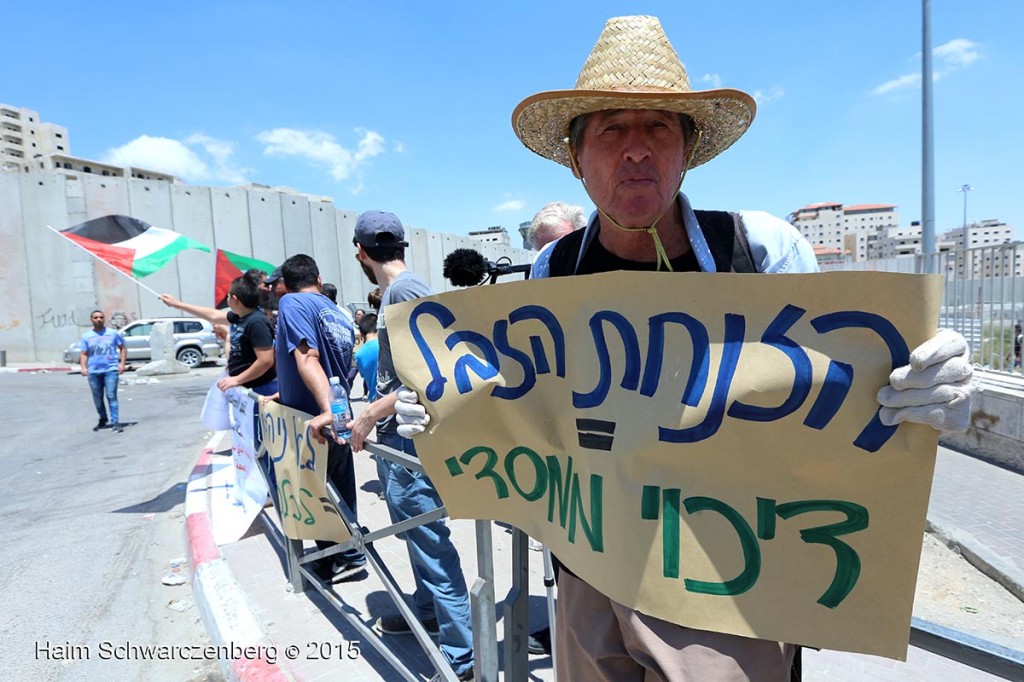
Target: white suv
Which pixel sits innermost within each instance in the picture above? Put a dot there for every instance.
(194, 341)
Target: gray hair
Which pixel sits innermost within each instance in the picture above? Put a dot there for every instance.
(556, 217)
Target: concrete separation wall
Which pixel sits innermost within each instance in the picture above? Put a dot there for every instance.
(51, 286)
(996, 433)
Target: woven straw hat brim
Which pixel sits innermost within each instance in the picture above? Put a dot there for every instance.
(541, 121)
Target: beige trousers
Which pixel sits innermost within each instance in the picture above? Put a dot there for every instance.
(600, 640)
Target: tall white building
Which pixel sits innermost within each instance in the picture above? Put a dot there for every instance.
(852, 229)
(29, 145)
(991, 254)
(26, 139)
(492, 235)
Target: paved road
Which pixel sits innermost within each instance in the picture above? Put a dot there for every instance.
(89, 523)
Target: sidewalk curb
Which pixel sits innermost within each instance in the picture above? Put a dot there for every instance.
(981, 557)
(226, 611)
(54, 369)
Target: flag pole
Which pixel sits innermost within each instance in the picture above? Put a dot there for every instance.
(120, 272)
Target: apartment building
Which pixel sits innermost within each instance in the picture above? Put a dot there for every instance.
(852, 229)
(26, 139)
(492, 235)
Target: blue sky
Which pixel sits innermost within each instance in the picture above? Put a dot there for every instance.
(406, 106)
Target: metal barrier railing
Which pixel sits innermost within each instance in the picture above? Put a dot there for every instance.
(983, 296)
(298, 563)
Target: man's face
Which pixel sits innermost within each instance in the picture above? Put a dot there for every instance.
(632, 161)
(367, 270)
(98, 319)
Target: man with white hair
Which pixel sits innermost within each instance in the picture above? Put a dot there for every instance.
(553, 221)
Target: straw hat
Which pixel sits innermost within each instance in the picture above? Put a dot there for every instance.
(633, 66)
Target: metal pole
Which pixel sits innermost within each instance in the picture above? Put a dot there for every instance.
(965, 189)
(927, 141)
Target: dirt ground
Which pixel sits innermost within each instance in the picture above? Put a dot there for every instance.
(953, 593)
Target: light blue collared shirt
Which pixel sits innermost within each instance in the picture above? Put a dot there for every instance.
(776, 246)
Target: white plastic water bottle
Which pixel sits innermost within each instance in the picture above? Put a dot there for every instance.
(340, 409)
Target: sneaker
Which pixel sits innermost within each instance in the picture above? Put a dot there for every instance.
(116, 427)
(539, 642)
(396, 625)
(343, 571)
(101, 424)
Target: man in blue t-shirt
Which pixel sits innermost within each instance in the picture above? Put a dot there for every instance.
(103, 358)
(314, 343)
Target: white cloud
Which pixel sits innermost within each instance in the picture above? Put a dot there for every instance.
(161, 154)
(909, 80)
(180, 158)
(220, 151)
(773, 94)
(510, 205)
(398, 147)
(712, 79)
(950, 56)
(323, 149)
(957, 52)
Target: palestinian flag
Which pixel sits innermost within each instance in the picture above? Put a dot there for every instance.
(130, 245)
(229, 267)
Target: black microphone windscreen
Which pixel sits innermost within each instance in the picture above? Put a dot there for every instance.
(465, 267)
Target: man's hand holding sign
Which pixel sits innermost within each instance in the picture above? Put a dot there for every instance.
(726, 472)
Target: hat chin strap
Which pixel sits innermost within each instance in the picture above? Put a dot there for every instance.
(652, 230)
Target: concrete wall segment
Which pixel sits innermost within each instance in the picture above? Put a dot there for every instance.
(323, 232)
(230, 211)
(193, 216)
(265, 226)
(16, 319)
(295, 227)
(56, 315)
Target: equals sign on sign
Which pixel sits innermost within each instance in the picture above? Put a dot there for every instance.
(595, 434)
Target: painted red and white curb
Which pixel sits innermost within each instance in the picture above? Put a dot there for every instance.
(226, 612)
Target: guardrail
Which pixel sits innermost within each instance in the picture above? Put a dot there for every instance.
(983, 295)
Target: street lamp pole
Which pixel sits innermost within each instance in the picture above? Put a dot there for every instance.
(927, 142)
(965, 189)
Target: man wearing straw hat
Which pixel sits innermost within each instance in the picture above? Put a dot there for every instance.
(629, 131)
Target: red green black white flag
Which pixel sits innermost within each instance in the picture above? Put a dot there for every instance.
(230, 266)
(129, 245)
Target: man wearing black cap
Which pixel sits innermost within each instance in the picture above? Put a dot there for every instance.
(441, 598)
(275, 283)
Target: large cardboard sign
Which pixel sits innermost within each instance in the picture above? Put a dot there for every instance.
(702, 447)
(300, 464)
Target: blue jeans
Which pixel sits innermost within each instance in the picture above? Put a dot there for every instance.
(440, 586)
(105, 382)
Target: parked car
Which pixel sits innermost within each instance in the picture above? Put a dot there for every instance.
(194, 341)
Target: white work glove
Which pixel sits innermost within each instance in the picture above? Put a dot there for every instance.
(412, 417)
(935, 388)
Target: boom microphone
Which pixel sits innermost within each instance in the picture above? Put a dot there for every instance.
(465, 267)
(468, 267)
